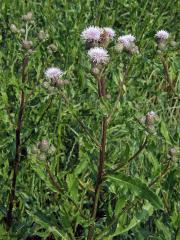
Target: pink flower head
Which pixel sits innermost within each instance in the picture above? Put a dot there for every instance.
(98, 55)
(162, 35)
(53, 73)
(126, 40)
(152, 113)
(110, 32)
(150, 117)
(91, 33)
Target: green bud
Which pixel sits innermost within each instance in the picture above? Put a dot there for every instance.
(13, 28)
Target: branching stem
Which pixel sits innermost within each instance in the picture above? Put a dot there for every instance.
(134, 156)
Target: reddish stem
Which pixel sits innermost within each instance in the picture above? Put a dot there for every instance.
(9, 216)
(99, 180)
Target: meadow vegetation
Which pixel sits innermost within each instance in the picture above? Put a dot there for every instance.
(89, 120)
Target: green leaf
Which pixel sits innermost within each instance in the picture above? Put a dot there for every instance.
(146, 212)
(48, 223)
(164, 229)
(136, 186)
(119, 205)
(154, 162)
(164, 132)
(142, 216)
(72, 183)
(81, 167)
(39, 169)
(3, 233)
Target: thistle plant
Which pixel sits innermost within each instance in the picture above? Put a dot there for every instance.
(163, 39)
(26, 49)
(96, 141)
(26, 46)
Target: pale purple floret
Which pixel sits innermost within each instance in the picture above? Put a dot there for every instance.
(98, 55)
(126, 40)
(53, 73)
(162, 35)
(91, 33)
(152, 113)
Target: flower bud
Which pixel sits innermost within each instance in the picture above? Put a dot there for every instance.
(43, 146)
(173, 44)
(22, 30)
(119, 47)
(95, 71)
(159, 52)
(173, 152)
(43, 35)
(49, 51)
(151, 129)
(30, 51)
(50, 89)
(42, 157)
(56, 82)
(66, 82)
(150, 118)
(162, 45)
(28, 16)
(53, 47)
(52, 149)
(142, 120)
(134, 50)
(45, 84)
(27, 44)
(34, 150)
(13, 28)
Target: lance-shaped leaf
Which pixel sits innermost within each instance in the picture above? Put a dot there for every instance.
(136, 186)
(140, 216)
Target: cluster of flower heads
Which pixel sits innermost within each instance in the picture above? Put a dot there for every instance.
(27, 44)
(97, 39)
(43, 149)
(54, 79)
(27, 17)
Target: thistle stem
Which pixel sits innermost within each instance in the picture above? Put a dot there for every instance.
(99, 177)
(102, 151)
(169, 84)
(9, 216)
